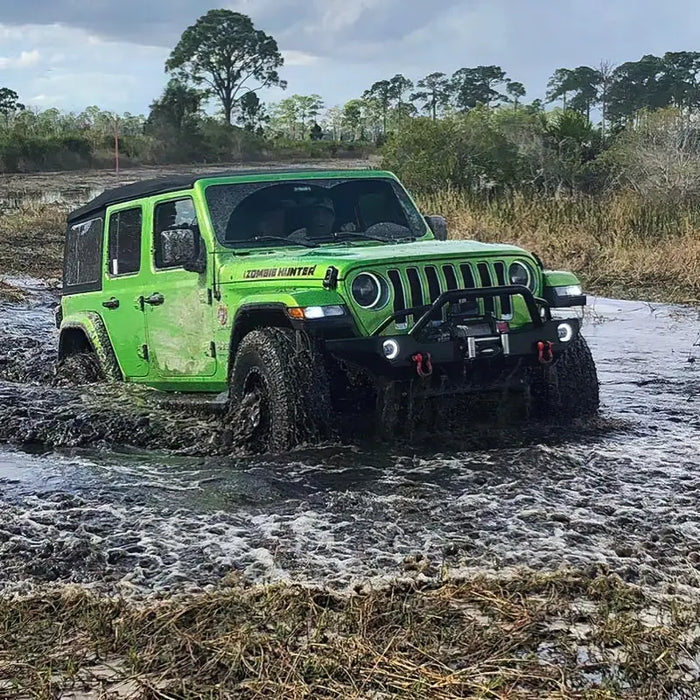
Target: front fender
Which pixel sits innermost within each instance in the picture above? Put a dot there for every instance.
(93, 328)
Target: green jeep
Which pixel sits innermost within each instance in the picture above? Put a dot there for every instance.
(311, 297)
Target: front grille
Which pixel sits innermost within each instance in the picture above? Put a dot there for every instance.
(421, 286)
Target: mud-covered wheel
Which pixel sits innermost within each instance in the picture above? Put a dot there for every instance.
(279, 392)
(569, 388)
(78, 369)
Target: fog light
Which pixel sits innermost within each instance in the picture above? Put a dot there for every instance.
(565, 332)
(391, 349)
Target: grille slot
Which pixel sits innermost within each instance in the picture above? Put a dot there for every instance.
(486, 281)
(399, 298)
(416, 286)
(450, 276)
(433, 283)
(500, 268)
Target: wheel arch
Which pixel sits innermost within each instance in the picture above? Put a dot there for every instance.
(252, 316)
(89, 334)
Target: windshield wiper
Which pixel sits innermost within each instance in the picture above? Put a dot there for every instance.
(282, 239)
(370, 237)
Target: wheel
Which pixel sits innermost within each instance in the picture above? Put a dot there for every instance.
(279, 393)
(567, 389)
(78, 369)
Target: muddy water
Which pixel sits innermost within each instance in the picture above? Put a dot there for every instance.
(623, 495)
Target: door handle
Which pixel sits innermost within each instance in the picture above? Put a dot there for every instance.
(154, 299)
(111, 303)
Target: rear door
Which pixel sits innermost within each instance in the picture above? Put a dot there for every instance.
(179, 317)
(121, 306)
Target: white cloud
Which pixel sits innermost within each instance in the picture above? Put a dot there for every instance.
(26, 59)
(298, 58)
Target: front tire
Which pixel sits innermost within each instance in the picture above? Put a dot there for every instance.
(279, 393)
(78, 369)
(567, 389)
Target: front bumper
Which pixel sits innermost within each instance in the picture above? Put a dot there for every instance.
(474, 343)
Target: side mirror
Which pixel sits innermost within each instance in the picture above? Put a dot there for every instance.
(438, 225)
(182, 247)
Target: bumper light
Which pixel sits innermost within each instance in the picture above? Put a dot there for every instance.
(311, 313)
(391, 349)
(565, 332)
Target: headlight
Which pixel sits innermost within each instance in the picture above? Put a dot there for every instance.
(522, 275)
(369, 290)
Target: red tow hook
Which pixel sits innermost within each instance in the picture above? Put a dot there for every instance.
(544, 351)
(424, 364)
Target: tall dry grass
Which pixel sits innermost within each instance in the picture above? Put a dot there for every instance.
(564, 635)
(618, 245)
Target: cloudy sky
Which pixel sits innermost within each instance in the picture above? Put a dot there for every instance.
(73, 53)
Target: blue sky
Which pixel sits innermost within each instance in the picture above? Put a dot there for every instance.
(73, 53)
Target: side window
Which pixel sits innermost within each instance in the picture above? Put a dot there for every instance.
(125, 242)
(175, 233)
(83, 256)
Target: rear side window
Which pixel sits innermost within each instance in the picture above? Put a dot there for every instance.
(83, 259)
(125, 242)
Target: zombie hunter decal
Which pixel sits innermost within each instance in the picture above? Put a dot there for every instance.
(271, 272)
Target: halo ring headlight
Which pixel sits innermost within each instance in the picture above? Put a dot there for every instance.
(368, 290)
(522, 275)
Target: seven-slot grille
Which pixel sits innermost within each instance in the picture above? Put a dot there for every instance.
(421, 285)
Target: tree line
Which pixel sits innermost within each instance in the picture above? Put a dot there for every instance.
(210, 111)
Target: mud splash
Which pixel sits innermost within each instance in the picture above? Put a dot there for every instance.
(619, 496)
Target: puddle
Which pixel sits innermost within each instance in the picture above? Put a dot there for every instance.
(625, 498)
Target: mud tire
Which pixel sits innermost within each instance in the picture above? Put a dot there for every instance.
(569, 388)
(78, 369)
(286, 385)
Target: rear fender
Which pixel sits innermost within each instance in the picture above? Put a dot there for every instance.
(88, 333)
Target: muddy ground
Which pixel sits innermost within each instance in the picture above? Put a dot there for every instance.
(110, 487)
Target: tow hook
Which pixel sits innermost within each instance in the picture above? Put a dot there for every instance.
(424, 364)
(544, 352)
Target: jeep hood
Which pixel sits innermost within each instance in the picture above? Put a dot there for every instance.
(310, 263)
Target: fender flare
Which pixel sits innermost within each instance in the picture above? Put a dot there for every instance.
(93, 328)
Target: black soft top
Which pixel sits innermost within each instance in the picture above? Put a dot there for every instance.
(173, 183)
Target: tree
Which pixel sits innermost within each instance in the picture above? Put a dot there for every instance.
(473, 86)
(308, 108)
(434, 91)
(333, 120)
(399, 85)
(179, 107)
(353, 118)
(516, 91)
(225, 52)
(9, 103)
(253, 114)
(382, 91)
(584, 85)
(636, 85)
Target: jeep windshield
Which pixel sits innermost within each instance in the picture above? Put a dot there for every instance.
(312, 212)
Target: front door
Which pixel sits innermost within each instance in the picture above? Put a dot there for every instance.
(178, 309)
(121, 292)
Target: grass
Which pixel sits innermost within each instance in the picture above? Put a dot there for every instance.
(31, 241)
(618, 245)
(559, 635)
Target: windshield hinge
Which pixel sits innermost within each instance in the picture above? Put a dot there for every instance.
(330, 281)
(212, 349)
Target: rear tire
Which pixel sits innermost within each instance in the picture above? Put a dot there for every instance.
(567, 389)
(279, 392)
